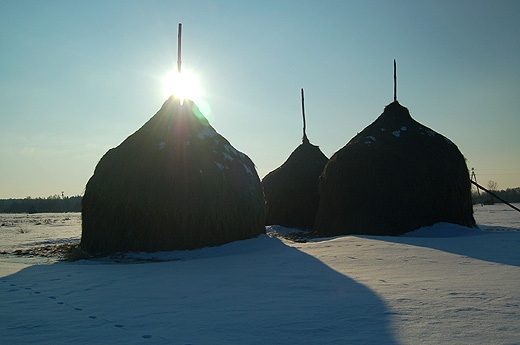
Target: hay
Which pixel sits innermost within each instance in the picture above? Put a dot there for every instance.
(291, 190)
(396, 176)
(174, 184)
(61, 252)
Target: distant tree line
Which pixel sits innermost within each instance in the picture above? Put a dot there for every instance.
(59, 204)
(511, 195)
(51, 204)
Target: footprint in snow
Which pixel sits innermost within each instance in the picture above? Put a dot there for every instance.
(92, 317)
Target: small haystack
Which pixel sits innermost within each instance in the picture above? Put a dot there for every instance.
(396, 176)
(174, 184)
(291, 190)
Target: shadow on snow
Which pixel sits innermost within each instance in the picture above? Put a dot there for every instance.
(499, 247)
(257, 291)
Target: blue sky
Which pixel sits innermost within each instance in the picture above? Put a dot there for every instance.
(78, 77)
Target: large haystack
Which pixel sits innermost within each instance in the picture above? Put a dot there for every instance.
(396, 176)
(174, 184)
(291, 190)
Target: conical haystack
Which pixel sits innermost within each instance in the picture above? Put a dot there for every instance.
(396, 176)
(174, 184)
(291, 190)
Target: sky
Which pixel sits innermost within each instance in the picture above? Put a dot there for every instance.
(77, 78)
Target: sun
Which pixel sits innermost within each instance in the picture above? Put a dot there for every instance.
(183, 85)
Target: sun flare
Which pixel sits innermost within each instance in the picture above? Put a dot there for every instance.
(183, 85)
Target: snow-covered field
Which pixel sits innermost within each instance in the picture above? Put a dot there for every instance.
(440, 285)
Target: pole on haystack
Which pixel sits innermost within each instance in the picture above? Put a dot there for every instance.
(304, 138)
(179, 34)
(395, 82)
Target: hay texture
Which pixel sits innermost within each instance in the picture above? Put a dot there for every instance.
(396, 176)
(174, 184)
(291, 190)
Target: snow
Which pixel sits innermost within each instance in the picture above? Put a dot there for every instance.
(248, 171)
(444, 230)
(370, 140)
(207, 132)
(230, 149)
(221, 166)
(397, 133)
(443, 284)
(227, 156)
(162, 145)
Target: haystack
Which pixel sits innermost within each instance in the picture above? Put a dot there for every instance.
(291, 190)
(396, 176)
(174, 184)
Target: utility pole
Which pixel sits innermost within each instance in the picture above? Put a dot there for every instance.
(63, 203)
(474, 178)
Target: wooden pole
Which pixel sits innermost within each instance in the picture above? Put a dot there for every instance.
(395, 82)
(304, 139)
(179, 34)
(496, 196)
